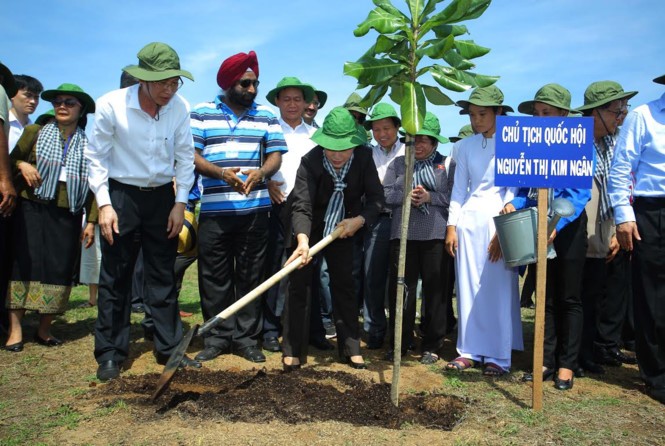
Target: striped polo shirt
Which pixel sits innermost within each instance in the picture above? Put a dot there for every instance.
(226, 140)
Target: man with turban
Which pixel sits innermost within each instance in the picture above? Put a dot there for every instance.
(239, 145)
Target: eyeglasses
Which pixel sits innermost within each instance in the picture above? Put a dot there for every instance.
(245, 83)
(316, 104)
(616, 113)
(170, 84)
(69, 103)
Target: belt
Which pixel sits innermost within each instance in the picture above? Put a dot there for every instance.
(139, 188)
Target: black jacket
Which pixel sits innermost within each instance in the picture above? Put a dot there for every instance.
(308, 201)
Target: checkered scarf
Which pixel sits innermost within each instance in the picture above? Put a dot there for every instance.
(335, 210)
(50, 158)
(424, 175)
(604, 151)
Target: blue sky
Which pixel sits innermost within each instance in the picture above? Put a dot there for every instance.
(533, 42)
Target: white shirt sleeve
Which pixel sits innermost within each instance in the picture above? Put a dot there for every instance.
(460, 188)
(98, 152)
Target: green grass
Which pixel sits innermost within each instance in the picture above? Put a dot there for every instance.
(528, 417)
(453, 382)
(29, 429)
(65, 415)
(112, 408)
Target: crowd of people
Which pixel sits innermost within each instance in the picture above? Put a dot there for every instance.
(259, 187)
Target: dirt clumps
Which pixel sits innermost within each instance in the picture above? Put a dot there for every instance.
(306, 395)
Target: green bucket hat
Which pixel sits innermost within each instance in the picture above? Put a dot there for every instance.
(603, 92)
(323, 97)
(7, 81)
(339, 131)
(307, 90)
(465, 131)
(157, 61)
(353, 103)
(550, 94)
(45, 117)
(382, 111)
(484, 97)
(660, 79)
(431, 127)
(72, 90)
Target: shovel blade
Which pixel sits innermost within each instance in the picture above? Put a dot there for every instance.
(173, 363)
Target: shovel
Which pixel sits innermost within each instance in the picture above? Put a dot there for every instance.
(179, 352)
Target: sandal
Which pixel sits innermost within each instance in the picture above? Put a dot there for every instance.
(429, 358)
(459, 364)
(493, 370)
(86, 305)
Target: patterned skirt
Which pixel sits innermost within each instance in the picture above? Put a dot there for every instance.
(46, 249)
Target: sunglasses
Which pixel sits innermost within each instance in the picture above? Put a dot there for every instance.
(69, 103)
(245, 83)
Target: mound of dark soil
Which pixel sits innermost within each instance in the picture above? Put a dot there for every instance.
(306, 395)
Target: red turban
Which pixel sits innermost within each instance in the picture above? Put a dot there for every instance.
(234, 67)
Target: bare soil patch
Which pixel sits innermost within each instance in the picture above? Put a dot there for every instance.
(304, 396)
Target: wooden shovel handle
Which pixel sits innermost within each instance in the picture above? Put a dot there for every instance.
(262, 288)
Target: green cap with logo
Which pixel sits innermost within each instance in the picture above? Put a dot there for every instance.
(603, 92)
(550, 94)
(339, 131)
(157, 61)
(382, 111)
(291, 82)
(71, 90)
(484, 97)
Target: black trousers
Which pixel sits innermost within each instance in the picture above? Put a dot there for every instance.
(298, 310)
(427, 260)
(146, 212)
(232, 256)
(181, 265)
(273, 299)
(613, 303)
(6, 261)
(563, 297)
(649, 290)
(605, 297)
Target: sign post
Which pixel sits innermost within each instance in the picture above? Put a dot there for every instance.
(543, 152)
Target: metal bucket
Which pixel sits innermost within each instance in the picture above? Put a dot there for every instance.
(517, 234)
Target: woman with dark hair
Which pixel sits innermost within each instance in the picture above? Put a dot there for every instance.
(489, 325)
(426, 257)
(563, 301)
(51, 177)
(333, 180)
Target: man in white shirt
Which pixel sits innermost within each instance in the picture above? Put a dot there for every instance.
(384, 123)
(141, 139)
(24, 103)
(291, 97)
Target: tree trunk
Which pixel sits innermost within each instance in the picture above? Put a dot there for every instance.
(409, 159)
